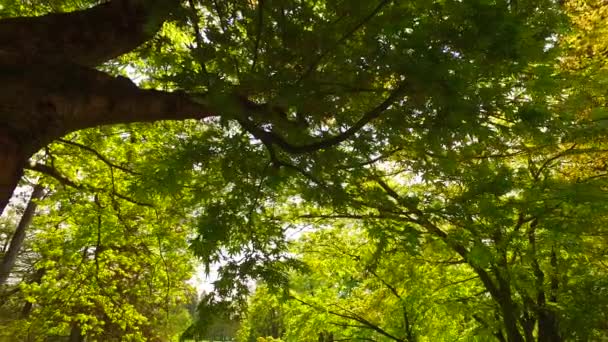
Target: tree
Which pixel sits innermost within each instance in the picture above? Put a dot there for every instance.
(101, 262)
(320, 103)
(18, 236)
(103, 276)
(265, 317)
(523, 220)
(287, 98)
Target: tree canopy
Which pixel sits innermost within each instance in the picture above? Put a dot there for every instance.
(384, 170)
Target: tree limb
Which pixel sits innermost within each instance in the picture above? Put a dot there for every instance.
(366, 324)
(98, 155)
(272, 138)
(54, 173)
(87, 37)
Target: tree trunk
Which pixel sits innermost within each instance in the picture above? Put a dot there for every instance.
(510, 321)
(87, 37)
(19, 236)
(76, 333)
(11, 167)
(548, 327)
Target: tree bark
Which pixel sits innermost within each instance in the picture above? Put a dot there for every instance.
(548, 327)
(19, 236)
(510, 321)
(12, 162)
(88, 37)
(42, 102)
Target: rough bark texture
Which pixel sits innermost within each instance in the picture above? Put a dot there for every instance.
(11, 166)
(50, 87)
(19, 236)
(88, 37)
(53, 100)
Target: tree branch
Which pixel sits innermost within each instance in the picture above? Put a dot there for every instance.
(272, 138)
(366, 324)
(547, 162)
(63, 98)
(98, 155)
(88, 37)
(54, 173)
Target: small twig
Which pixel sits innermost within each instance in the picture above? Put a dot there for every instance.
(443, 286)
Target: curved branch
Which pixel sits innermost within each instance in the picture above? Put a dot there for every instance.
(98, 155)
(54, 173)
(88, 37)
(273, 138)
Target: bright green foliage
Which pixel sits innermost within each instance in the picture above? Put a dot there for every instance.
(111, 260)
(361, 288)
(438, 73)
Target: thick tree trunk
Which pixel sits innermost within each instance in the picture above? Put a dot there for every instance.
(510, 321)
(11, 167)
(19, 236)
(88, 37)
(548, 323)
(42, 102)
(547, 327)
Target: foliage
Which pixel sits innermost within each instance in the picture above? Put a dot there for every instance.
(103, 261)
(215, 319)
(265, 317)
